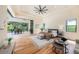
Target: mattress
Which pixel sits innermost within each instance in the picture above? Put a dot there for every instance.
(41, 43)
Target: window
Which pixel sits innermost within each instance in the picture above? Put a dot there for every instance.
(71, 25)
(17, 27)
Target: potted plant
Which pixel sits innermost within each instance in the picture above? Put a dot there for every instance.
(9, 40)
(42, 29)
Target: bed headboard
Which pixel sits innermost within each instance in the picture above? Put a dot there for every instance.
(54, 31)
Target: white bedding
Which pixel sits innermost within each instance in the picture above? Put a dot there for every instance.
(41, 43)
(71, 46)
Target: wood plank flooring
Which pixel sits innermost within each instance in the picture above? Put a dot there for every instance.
(24, 45)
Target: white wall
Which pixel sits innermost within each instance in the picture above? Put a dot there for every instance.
(3, 22)
(57, 19)
(52, 20)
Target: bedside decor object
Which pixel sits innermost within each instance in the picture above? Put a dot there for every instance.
(71, 25)
(40, 9)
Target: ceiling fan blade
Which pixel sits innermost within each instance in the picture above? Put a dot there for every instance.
(36, 12)
(39, 12)
(40, 7)
(44, 11)
(36, 8)
(44, 7)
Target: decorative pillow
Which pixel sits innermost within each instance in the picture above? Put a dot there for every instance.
(42, 35)
(46, 35)
(54, 33)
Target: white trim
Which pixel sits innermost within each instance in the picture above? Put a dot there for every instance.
(11, 11)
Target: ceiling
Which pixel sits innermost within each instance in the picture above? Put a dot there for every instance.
(27, 11)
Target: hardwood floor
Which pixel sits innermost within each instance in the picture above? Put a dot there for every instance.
(46, 50)
(24, 45)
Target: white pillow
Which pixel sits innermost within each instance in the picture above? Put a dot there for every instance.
(54, 33)
(40, 35)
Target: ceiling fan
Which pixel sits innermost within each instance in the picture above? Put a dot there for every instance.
(40, 9)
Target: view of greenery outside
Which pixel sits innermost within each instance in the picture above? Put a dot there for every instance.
(71, 28)
(17, 27)
(43, 27)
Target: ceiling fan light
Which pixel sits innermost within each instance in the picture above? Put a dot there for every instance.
(40, 9)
